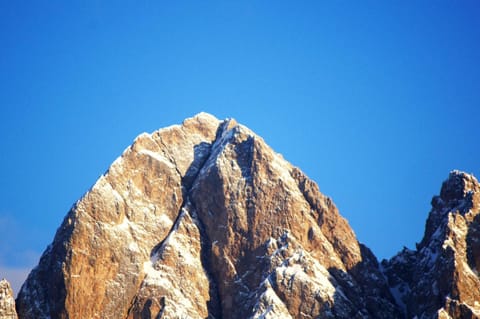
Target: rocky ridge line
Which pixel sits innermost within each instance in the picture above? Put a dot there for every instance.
(205, 220)
(440, 279)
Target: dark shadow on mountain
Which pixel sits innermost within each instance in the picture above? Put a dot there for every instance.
(473, 244)
(244, 151)
(46, 294)
(202, 152)
(366, 289)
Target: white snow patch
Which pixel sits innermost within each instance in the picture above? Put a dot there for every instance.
(125, 225)
(294, 269)
(154, 277)
(158, 157)
(459, 230)
(270, 306)
(280, 165)
(172, 232)
(165, 281)
(133, 246)
(165, 220)
(117, 195)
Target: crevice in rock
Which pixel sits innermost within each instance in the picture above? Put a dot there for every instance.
(201, 156)
(157, 250)
(202, 153)
(162, 146)
(214, 305)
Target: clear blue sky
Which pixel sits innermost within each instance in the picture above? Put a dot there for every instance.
(375, 101)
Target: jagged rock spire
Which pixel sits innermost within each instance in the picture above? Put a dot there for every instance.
(7, 301)
(440, 278)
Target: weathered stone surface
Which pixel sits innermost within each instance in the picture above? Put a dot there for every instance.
(95, 266)
(7, 301)
(440, 278)
(275, 237)
(205, 220)
(176, 282)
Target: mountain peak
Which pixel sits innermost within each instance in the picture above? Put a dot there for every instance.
(205, 220)
(439, 279)
(199, 220)
(204, 116)
(458, 186)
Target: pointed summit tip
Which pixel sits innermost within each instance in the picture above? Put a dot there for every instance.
(205, 116)
(202, 118)
(458, 185)
(460, 174)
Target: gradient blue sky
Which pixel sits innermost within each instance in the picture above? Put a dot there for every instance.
(375, 101)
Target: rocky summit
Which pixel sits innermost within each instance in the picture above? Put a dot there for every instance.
(205, 220)
(7, 301)
(440, 279)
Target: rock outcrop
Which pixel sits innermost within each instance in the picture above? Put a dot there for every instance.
(440, 279)
(204, 220)
(7, 301)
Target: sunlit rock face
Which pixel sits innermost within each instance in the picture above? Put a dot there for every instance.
(440, 279)
(7, 301)
(205, 220)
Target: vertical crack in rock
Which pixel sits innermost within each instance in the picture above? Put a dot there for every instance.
(205, 220)
(202, 153)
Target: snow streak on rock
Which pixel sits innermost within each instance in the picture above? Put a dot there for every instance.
(205, 220)
(440, 278)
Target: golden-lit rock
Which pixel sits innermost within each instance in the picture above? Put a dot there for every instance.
(7, 301)
(440, 279)
(205, 220)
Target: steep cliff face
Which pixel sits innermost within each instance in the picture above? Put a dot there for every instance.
(279, 248)
(440, 279)
(7, 301)
(204, 220)
(102, 252)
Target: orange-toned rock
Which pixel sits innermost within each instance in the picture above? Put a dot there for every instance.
(95, 266)
(7, 301)
(205, 220)
(440, 278)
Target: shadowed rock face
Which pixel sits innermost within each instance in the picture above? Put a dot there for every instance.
(440, 278)
(7, 302)
(204, 220)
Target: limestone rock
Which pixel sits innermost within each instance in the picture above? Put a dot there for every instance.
(7, 301)
(205, 220)
(440, 278)
(96, 264)
(275, 239)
